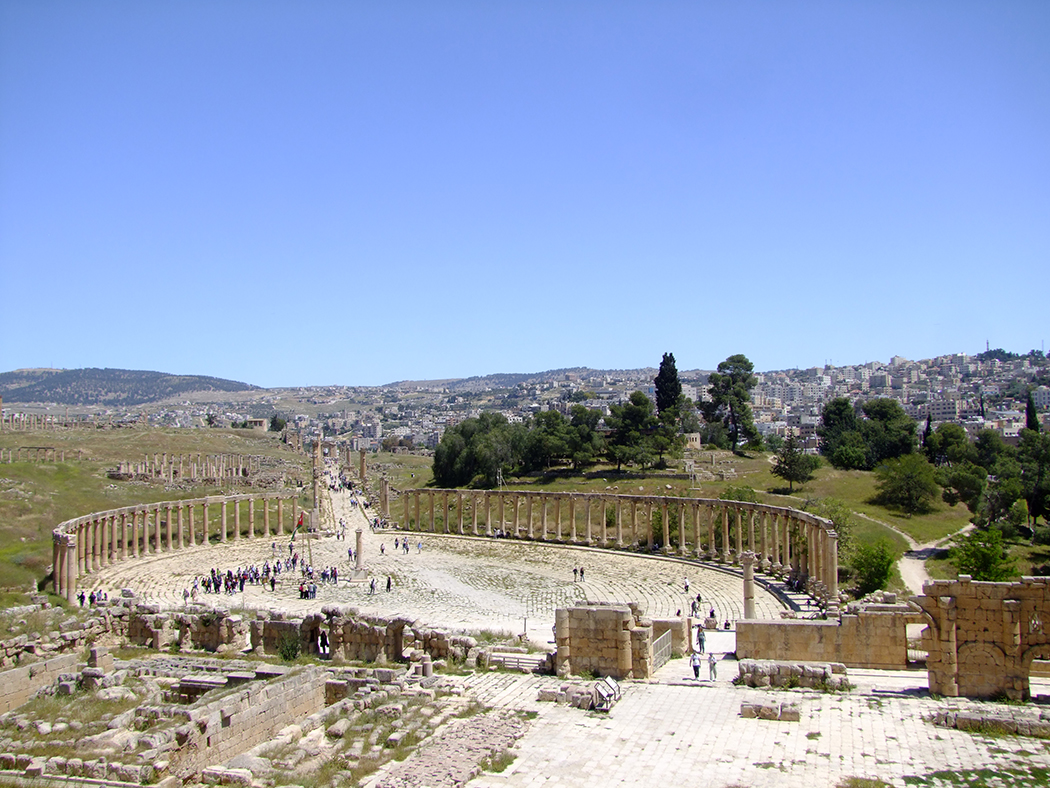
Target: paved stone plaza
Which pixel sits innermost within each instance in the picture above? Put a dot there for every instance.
(453, 582)
(670, 730)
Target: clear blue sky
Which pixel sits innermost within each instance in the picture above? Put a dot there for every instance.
(336, 192)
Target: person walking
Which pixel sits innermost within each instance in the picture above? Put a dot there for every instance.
(694, 661)
(701, 639)
(712, 667)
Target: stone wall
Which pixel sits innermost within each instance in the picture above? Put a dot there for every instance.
(17, 686)
(983, 637)
(873, 637)
(604, 639)
(246, 717)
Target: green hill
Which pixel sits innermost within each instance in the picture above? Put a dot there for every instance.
(106, 387)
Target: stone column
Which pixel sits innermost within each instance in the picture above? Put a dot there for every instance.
(777, 558)
(123, 536)
(683, 528)
(181, 527)
(634, 522)
(280, 517)
(251, 518)
(488, 514)
(419, 522)
(500, 503)
(430, 500)
(222, 520)
(92, 546)
(236, 520)
(474, 514)
(587, 514)
(833, 572)
(358, 561)
(81, 541)
(158, 546)
(619, 522)
(572, 517)
(361, 472)
(135, 533)
(444, 512)
(266, 517)
(193, 526)
(557, 517)
(71, 566)
(696, 531)
(748, 560)
(739, 534)
(517, 511)
(103, 542)
(384, 500)
(666, 521)
(56, 574)
(712, 552)
(543, 516)
(408, 520)
(725, 534)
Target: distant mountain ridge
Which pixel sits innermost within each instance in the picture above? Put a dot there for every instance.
(107, 387)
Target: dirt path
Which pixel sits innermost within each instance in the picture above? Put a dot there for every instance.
(912, 565)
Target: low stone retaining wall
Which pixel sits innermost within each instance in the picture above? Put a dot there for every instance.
(873, 637)
(1021, 722)
(771, 673)
(19, 685)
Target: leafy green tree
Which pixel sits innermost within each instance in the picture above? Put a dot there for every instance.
(908, 483)
(1033, 453)
(964, 482)
(631, 423)
(476, 450)
(547, 441)
(730, 391)
(668, 388)
(949, 445)
(277, 423)
(982, 554)
(1003, 489)
(990, 446)
(585, 443)
(836, 419)
(873, 563)
(1031, 417)
(888, 431)
(793, 465)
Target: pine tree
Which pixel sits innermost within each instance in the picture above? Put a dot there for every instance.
(1031, 418)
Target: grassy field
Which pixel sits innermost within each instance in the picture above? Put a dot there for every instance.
(35, 496)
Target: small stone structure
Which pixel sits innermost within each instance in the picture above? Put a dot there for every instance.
(612, 639)
(868, 635)
(770, 710)
(983, 637)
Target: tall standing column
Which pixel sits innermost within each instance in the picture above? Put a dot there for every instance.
(572, 517)
(361, 471)
(236, 520)
(384, 500)
(408, 520)
(193, 526)
(182, 531)
(459, 511)
(123, 536)
(222, 520)
(430, 507)
(666, 520)
(135, 533)
(619, 523)
(474, 514)
(266, 517)
(739, 534)
(587, 511)
(725, 534)
(528, 516)
(748, 561)
(251, 518)
(158, 545)
(543, 516)
(557, 518)
(488, 514)
(444, 512)
(71, 565)
(833, 571)
(280, 517)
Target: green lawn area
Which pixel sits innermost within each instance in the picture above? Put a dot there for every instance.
(35, 496)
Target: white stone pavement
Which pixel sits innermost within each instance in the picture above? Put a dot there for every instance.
(454, 582)
(678, 731)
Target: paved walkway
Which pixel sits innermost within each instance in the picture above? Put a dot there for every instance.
(454, 582)
(679, 731)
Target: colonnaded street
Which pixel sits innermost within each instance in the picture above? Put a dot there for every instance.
(671, 730)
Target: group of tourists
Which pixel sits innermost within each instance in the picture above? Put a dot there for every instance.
(99, 597)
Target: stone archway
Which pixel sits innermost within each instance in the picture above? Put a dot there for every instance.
(983, 668)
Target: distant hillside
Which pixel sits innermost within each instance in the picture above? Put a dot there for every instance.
(106, 387)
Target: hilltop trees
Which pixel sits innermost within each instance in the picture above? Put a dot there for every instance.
(852, 442)
(730, 391)
(668, 387)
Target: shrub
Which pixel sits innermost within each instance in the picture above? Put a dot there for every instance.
(873, 564)
(1041, 535)
(288, 647)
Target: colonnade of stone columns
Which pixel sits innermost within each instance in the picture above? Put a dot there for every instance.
(192, 466)
(37, 454)
(86, 544)
(785, 542)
